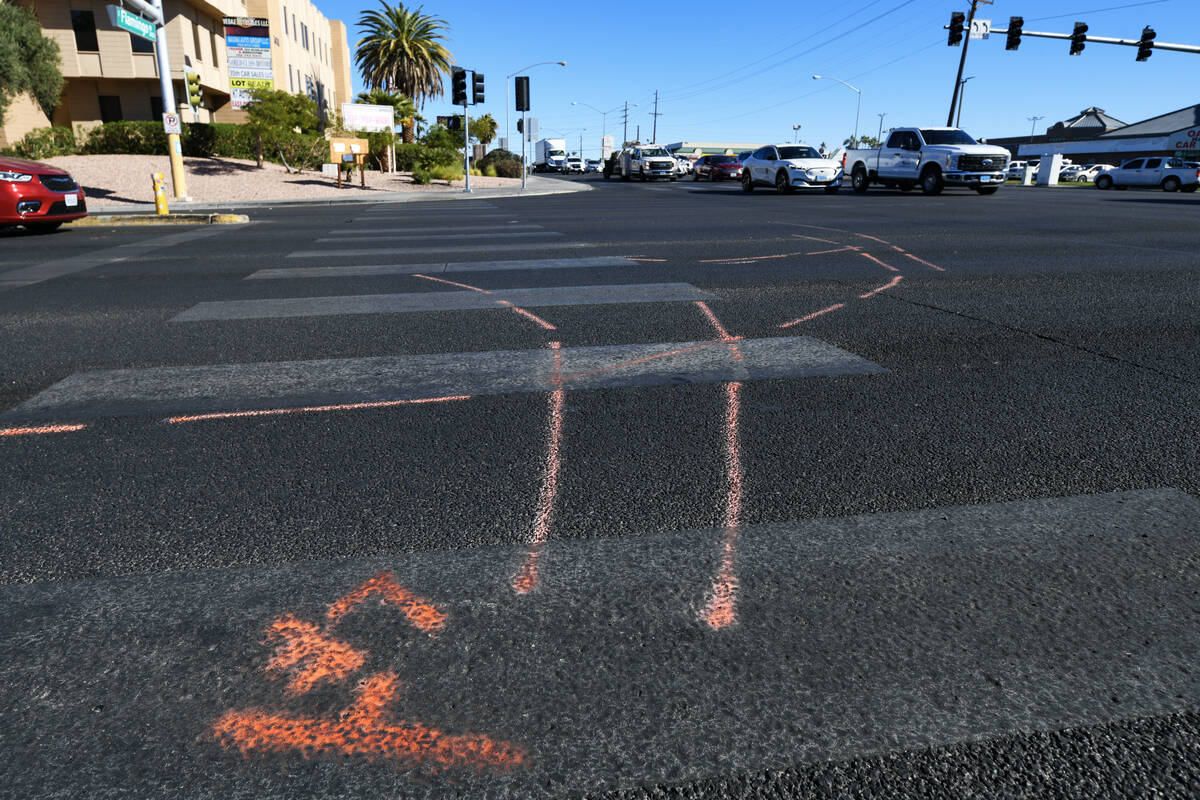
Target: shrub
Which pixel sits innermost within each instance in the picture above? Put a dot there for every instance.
(46, 143)
(504, 163)
(217, 140)
(490, 170)
(136, 138)
(408, 155)
(420, 176)
(446, 173)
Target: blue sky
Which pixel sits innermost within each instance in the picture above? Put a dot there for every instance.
(745, 75)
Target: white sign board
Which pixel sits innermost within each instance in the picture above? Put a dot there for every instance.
(981, 28)
(606, 147)
(362, 117)
(171, 123)
(248, 57)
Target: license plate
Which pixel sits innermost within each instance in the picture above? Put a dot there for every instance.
(985, 178)
(71, 200)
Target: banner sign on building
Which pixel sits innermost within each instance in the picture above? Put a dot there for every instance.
(363, 117)
(248, 54)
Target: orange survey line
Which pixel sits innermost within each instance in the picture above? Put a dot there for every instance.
(644, 359)
(885, 287)
(814, 238)
(880, 263)
(874, 239)
(527, 579)
(270, 412)
(813, 315)
(631, 258)
(452, 283)
(720, 610)
(926, 263)
(528, 315)
(41, 429)
(724, 334)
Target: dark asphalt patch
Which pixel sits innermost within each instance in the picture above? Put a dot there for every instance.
(869, 635)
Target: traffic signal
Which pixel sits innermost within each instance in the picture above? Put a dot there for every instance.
(520, 127)
(454, 123)
(194, 94)
(1146, 43)
(957, 19)
(1015, 25)
(458, 86)
(1078, 38)
(522, 83)
(476, 87)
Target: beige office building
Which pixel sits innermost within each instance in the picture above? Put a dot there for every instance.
(112, 74)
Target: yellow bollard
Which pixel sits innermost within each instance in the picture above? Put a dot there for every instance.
(160, 195)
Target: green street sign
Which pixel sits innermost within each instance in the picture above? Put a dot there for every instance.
(121, 18)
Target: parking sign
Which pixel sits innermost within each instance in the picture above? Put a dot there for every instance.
(171, 123)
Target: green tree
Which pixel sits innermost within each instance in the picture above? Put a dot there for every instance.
(402, 50)
(29, 61)
(483, 129)
(275, 116)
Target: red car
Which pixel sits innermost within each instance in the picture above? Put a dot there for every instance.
(717, 168)
(38, 196)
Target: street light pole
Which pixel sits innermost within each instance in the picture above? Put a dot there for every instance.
(962, 94)
(879, 136)
(796, 133)
(1033, 121)
(508, 102)
(857, 112)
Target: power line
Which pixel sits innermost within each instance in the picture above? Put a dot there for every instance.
(1077, 14)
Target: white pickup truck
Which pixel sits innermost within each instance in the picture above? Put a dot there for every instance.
(931, 158)
(1168, 174)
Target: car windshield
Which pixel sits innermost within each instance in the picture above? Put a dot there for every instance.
(722, 160)
(946, 137)
(655, 151)
(798, 152)
(556, 153)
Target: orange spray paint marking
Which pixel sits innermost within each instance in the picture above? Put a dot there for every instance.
(814, 238)
(813, 315)
(40, 429)
(631, 258)
(926, 263)
(364, 730)
(838, 250)
(724, 334)
(452, 283)
(877, 261)
(421, 613)
(527, 578)
(270, 412)
(327, 658)
(528, 315)
(885, 287)
(873, 239)
(720, 610)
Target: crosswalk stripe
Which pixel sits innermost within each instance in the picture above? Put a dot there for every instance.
(275, 308)
(407, 237)
(456, 228)
(465, 248)
(453, 266)
(267, 385)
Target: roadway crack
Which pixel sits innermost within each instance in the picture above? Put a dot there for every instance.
(1046, 337)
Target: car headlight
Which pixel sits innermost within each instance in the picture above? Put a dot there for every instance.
(15, 177)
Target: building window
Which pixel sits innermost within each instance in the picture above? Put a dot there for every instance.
(156, 109)
(216, 43)
(110, 108)
(291, 81)
(196, 39)
(295, 30)
(304, 34)
(285, 28)
(84, 23)
(140, 45)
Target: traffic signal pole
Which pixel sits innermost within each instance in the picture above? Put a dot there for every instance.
(174, 147)
(962, 60)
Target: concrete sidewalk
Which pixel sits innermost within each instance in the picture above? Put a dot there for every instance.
(537, 186)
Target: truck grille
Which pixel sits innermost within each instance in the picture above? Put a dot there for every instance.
(975, 163)
(58, 183)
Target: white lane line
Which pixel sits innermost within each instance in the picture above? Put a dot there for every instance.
(466, 248)
(408, 237)
(452, 229)
(460, 266)
(441, 301)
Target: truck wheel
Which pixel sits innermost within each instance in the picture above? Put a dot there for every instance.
(1104, 182)
(859, 180)
(988, 189)
(747, 182)
(782, 184)
(931, 181)
(1171, 184)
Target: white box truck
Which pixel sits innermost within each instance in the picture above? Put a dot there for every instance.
(549, 155)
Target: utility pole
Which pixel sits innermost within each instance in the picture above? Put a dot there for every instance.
(962, 60)
(625, 129)
(962, 96)
(655, 114)
(1033, 121)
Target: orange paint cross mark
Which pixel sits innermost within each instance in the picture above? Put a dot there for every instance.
(926, 263)
(421, 613)
(363, 730)
(528, 315)
(872, 238)
(724, 334)
(813, 315)
(303, 642)
(452, 283)
(527, 578)
(40, 429)
(644, 359)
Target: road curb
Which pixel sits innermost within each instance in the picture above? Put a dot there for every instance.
(142, 218)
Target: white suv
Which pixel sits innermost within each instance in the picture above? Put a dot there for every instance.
(573, 164)
(788, 167)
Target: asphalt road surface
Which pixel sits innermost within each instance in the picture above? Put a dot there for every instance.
(652, 491)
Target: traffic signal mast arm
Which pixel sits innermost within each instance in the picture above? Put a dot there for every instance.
(1180, 48)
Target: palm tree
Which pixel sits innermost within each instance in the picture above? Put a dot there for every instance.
(484, 129)
(402, 50)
